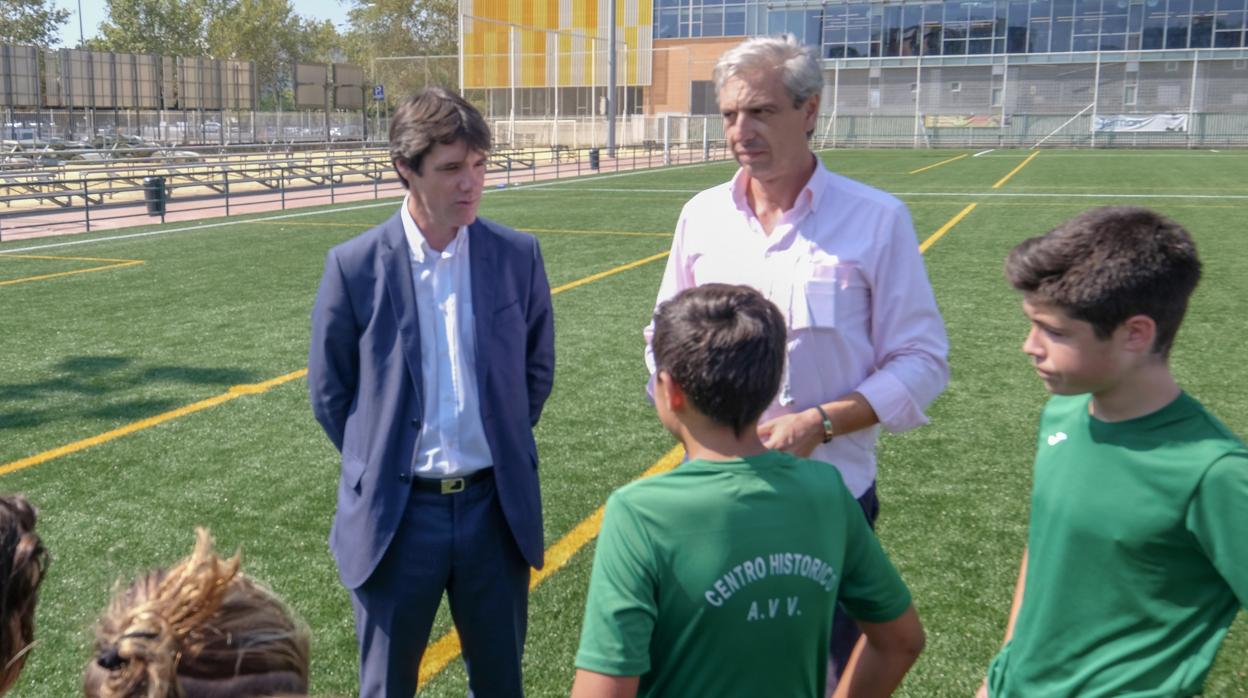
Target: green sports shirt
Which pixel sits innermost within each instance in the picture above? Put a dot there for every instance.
(720, 578)
(1137, 554)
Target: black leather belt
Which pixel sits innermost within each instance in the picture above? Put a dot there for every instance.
(451, 485)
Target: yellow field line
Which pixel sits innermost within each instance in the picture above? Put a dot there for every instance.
(1014, 171)
(603, 274)
(562, 231)
(72, 259)
(41, 277)
(308, 224)
(447, 647)
(82, 444)
(622, 233)
(233, 392)
(942, 162)
(946, 228)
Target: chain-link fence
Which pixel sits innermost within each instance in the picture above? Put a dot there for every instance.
(1084, 100)
(31, 128)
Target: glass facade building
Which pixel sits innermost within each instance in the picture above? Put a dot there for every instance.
(966, 27)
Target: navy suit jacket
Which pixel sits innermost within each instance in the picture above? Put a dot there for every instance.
(364, 379)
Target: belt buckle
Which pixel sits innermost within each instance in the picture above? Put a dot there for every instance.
(452, 485)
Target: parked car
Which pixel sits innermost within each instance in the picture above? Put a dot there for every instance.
(173, 157)
(12, 157)
(123, 146)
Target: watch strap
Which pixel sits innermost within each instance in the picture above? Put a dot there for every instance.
(828, 429)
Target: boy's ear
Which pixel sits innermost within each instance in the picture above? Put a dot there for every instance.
(1139, 333)
(670, 390)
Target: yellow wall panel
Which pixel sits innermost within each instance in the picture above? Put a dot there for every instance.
(487, 42)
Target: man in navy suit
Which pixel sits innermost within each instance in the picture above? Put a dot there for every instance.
(432, 355)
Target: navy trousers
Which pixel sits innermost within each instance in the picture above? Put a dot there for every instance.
(845, 631)
(459, 544)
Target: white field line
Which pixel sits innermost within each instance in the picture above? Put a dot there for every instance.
(1107, 153)
(623, 190)
(187, 228)
(963, 194)
(983, 152)
(225, 224)
(1065, 195)
(613, 175)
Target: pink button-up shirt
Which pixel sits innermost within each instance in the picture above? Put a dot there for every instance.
(844, 268)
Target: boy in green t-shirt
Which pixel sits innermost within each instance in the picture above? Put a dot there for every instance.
(1137, 553)
(720, 578)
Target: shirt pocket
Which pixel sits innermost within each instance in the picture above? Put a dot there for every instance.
(832, 297)
(820, 296)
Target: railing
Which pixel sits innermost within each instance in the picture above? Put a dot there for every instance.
(67, 200)
(1204, 130)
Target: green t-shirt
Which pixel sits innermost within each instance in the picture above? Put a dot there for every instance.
(1137, 554)
(720, 578)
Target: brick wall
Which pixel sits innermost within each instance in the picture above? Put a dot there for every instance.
(678, 62)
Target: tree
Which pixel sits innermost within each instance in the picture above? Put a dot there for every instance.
(267, 32)
(30, 22)
(164, 27)
(387, 28)
(270, 33)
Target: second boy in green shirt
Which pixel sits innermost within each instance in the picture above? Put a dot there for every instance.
(1137, 555)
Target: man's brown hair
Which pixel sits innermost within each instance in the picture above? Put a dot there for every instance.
(724, 346)
(431, 116)
(23, 561)
(1108, 264)
(200, 629)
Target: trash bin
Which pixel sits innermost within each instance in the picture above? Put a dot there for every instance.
(154, 195)
(593, 158)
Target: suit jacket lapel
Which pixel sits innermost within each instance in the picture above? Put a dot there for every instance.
(396, 259)
(481, 266)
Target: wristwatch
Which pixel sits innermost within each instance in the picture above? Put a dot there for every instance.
(828, 430)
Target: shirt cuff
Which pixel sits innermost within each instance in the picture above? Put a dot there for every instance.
(611, 666)
(892, 402)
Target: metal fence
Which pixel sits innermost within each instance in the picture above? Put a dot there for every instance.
(29, 127)
(1093, 100)
(73, 198)
(1096, 99)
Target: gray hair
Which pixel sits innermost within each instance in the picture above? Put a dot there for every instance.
(798, 65)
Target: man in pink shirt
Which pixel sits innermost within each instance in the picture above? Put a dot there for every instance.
(866, 344)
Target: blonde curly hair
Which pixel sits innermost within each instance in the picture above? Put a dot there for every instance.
(200, 629)
(23, 562)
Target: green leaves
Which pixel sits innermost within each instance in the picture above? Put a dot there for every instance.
(423, 33)
(268, 32)
(164, 27)
(30, 21)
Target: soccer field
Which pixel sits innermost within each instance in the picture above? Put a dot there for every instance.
(152, 381)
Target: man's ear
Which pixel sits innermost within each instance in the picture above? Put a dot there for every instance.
(810, 109)
(1138, 333)
(405, 171)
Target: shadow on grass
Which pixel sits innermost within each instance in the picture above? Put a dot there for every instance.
(108, 387)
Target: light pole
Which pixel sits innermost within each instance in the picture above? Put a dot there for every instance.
(81, 36)
(611, 80)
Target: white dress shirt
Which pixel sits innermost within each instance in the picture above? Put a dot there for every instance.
(452, 438)
(844, 268)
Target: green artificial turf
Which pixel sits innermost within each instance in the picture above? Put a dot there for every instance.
(220, 305)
